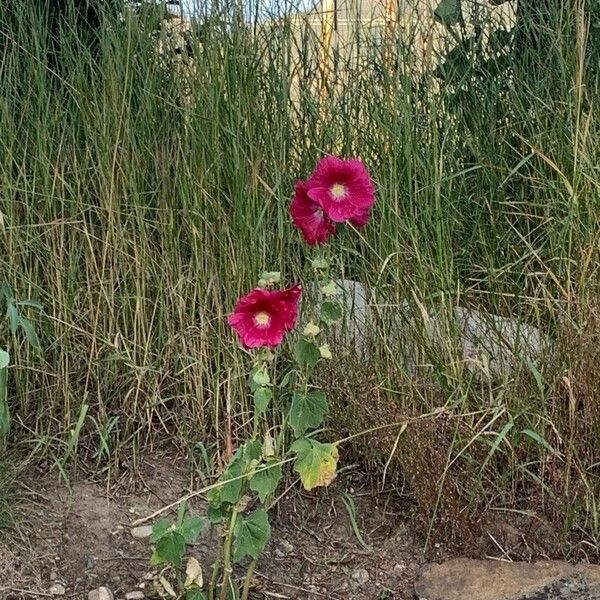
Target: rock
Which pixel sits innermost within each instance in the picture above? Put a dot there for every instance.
(57, 589)
(360, 576)
(101, 593)
(283, 548)
(142, 532)
(462, 578)
(136, 595)
(488, 345)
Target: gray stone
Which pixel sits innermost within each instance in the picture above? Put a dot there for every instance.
(462, 578)
(58, 589)
(101, 593)
(142, 532)
(360, 576)
(136, 595)
(488, 345)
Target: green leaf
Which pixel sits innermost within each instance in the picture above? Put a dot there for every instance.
(286, 380)
(4, 359)
(261, 377)
(159, 529)
(251, 535)
(265, 482)
(169, 549)
(306, 354)
(30, 304)
(330, 312)
(449, 12)
(307, 411)
(232, 488)
(4, 412)
(216, 515)
(190, 529)
(251, 450)
(262, 397)
(320, 264)
(316, 462)
(268, 278)
(195, 595)
(331, 289)
(30, 333)
(228, 491)
(12, 314)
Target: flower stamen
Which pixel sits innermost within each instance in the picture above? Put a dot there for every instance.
(338, 191)
(262, 319)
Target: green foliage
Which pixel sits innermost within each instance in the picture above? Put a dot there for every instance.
(251, 535)
(307, 411)
(170, 548)
(265, 481)
(306, 354)
(170, 540)
(262, 397)
(137, 215)
(330, 312)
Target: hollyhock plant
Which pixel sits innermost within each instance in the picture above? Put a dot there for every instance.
(261, 317)
(343, 189)
(309, 218)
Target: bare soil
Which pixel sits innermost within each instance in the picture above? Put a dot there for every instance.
(80, 539)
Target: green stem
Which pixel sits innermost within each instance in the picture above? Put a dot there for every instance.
(227, 569)
(215, 572)
(248, 579)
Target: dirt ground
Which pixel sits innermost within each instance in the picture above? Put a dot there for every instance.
(76, 541)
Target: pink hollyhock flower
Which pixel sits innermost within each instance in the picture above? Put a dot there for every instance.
(343, 189)
(261, 317)
(309, 218)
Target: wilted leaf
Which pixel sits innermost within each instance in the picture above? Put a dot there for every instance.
(307, 411)
(251, 535)
(167, 586)
(316, 463)
(325, 351)
(311, 330)
(193, 573)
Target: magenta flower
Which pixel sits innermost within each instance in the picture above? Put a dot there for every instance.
(309, 218)
(261, 317)
(343, 189)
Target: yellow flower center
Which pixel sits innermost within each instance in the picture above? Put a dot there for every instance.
(262, 319)
(338, 191)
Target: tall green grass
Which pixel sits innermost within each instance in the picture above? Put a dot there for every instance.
(137, 206)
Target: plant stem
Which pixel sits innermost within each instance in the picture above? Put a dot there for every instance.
(214, 575)
(227, 554)
(248, 579)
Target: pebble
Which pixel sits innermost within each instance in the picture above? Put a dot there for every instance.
(142, 532)
(101, 593)
(58, 589)
(360, 576)
(137, 595)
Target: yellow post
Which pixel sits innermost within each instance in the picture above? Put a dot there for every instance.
(389, 37)
(327, 16)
